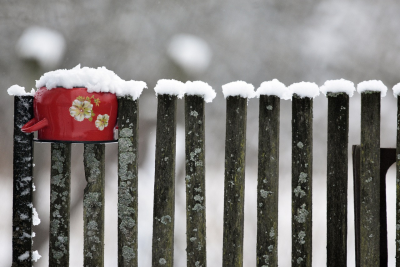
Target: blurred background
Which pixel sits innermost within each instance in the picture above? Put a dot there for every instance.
(216, 42)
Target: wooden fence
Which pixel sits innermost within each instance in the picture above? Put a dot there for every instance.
(370, 243)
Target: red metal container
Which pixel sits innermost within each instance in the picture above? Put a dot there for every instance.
(73, 115)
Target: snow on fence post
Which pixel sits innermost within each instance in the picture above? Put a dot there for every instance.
(196, 93)
(338, 93)
(93, 205)
(60, 195)
(302, 148)
(236, 94)
(128, 114)
(22, 179)
(270, 94)
(164, 182)
(371, 93)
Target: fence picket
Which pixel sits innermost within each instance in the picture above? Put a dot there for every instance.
(127, 181)
(22, 183)
(60, 196)
(370, 179)
(268, 181)
(195, 181)
(235, 155)
(93, 205)
(164, 182)
(398, 186)
(302, 143)
(337, 175)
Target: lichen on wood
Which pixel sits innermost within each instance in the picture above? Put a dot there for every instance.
(127, 181)
(195, 181)
(337, 178)
(268, 181)
(302, 122)
(370, 179)
(164, 182)
(22, 183)
(398, 185)
(93, 205)
(235, 155)
(60, 190)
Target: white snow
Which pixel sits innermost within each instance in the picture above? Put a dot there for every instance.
(95, 80)
(170, 87)
(372, 85)
(238, 88)
(42, 44)
(35, 217)
(338, 86)
(35, 256)
(275, 88)
(396, 90)
(24, 256)
(200, 88)
(16, 90)
(304, 89)
(191, 53)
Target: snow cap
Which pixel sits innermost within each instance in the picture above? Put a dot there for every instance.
(17, 90)
(100, 80)
(238, 88)
(338, 86)
(170, 87)
(396, 90)
(304, 89)
(372, 85)
(275, 88)
(200, 88)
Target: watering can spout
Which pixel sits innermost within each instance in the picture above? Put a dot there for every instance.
(33, 125)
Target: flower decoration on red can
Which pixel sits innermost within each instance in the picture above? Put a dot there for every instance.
(82, 108)
(102, 121)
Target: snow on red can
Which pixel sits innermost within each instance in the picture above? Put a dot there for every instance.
(79, 105)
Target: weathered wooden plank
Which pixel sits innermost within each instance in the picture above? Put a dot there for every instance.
(337, 175)
(93, 205)
(22, 183)
(60, 197)
(268, 181)
(398, 186)
(195, 181)
(164, 182)
(370, 179)
(302, 159)
(235, 155)
(128, 113)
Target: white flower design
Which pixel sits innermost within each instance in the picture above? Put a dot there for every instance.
(81, 110)
(102, 121)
